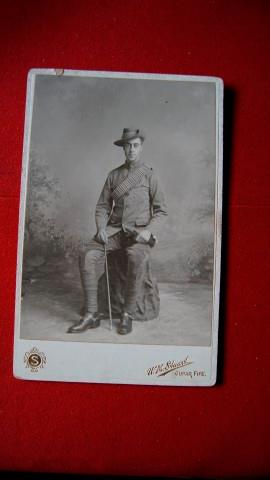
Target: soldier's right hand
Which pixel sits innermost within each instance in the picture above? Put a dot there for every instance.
(102, 236)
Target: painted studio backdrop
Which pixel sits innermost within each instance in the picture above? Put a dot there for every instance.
(75, 122)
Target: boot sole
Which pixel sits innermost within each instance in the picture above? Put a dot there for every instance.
(124, 332)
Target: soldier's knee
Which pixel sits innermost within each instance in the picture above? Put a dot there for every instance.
(93, 255)
(89, 258)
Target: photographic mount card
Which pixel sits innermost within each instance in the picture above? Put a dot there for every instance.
(135, 161)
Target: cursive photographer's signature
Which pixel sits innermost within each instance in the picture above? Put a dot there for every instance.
(163, 369)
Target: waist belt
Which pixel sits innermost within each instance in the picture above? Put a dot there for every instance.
(130, 182)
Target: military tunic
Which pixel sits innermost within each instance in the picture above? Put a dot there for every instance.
(143, 206)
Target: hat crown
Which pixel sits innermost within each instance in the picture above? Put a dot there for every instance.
(127, 132)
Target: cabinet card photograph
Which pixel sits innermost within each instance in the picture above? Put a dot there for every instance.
(118, 271)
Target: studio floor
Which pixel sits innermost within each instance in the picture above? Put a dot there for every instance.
(53, 298)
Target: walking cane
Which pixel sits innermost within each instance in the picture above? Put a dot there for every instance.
(108, 285)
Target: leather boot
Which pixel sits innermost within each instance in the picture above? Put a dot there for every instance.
(125, 325)
(89, 320)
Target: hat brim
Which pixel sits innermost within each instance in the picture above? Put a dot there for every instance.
(122, 142)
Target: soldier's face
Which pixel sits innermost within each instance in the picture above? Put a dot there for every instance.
(133, 149)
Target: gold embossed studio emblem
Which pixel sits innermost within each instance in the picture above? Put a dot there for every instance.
(34, 359)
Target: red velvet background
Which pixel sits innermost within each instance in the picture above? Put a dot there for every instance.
(218, 431)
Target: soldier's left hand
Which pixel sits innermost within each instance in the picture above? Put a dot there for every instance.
(143, 237)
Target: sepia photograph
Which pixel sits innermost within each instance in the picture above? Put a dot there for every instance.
(120, 227)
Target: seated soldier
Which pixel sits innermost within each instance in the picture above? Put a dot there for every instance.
(130, 211)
